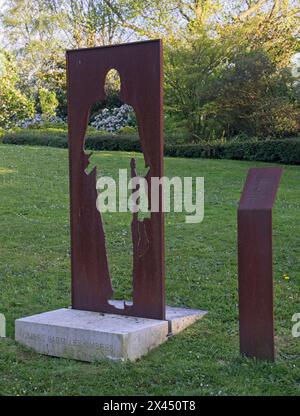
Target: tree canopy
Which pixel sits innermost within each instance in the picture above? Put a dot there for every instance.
(227, 63)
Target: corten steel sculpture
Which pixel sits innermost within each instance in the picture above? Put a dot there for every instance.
(140, 69)
(255, 262)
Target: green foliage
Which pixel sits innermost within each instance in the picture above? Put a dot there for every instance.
(34, 31)
(226, 68)
(45, 124)
(48, 102)
(127, 130)
(279, 151)
(14, 105)
(39, 31)
(58, 138)
(191, 71)
(274, 29)
(37, 137)
(234, 77)
(256, 98)
(243, 148)
(237, 80)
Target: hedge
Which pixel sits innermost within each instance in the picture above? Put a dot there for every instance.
(281, 151)
(278, 151)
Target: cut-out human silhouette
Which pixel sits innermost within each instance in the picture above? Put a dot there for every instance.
(139, 238)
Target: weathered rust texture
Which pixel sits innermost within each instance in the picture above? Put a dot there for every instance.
(140, 68)
(255, 263)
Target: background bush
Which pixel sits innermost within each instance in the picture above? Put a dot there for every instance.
(281, 151)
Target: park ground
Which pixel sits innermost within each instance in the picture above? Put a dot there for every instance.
(201, 272)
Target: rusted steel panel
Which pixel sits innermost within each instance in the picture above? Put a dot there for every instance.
(140, 67)
(255, 263)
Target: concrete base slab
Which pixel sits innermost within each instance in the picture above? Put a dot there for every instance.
(181, 318)
(91, 336)
(178, 317)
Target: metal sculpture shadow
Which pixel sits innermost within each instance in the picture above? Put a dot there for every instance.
(140, 67)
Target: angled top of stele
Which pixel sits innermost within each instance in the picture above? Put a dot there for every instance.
(260, 189)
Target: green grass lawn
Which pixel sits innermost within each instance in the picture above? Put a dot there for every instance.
(201, 272)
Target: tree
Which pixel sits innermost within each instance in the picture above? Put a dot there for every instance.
(32, 34)
(221, 79)
(203, 40)
(257, 98)
(14, 105)
(273, 28)
(39, 31)
(191, 71)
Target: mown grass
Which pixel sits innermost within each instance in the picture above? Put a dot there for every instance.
(201, 273)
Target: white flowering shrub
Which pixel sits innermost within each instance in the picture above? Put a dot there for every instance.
(39, 121)
(114, 119)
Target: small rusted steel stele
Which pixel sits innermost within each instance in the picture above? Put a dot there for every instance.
(255, 263)
(140, 68)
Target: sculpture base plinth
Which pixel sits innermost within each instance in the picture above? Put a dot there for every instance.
(92, 336)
